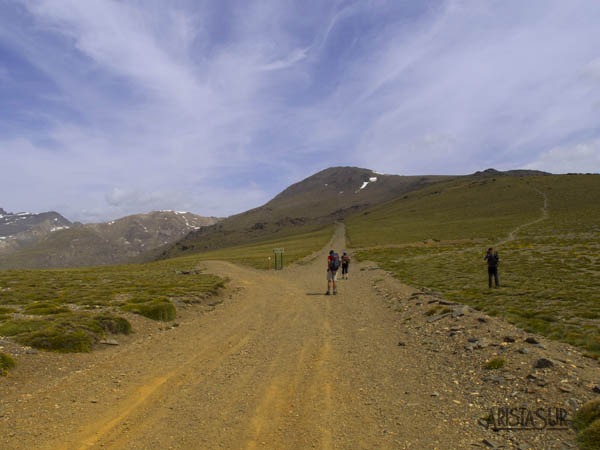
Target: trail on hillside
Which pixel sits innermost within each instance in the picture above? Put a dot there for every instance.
(277, 365)
(511, 236)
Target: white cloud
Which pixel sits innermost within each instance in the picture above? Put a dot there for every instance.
(190, 102)
(580, 158)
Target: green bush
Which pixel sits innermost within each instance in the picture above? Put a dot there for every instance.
(587, 414)
(44, 308)
(159, 309)
(18, 326)
(113, 324)
(495, 363)
(58, 339)
(589, 437)
(6, 363)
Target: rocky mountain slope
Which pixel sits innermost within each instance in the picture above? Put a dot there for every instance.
(117, 241)
(320, 199)
(20, 230)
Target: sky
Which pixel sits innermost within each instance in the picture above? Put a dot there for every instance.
(110, 108)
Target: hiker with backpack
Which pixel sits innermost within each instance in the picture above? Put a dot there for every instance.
(345, 265)
(492, 260)
(333, 264)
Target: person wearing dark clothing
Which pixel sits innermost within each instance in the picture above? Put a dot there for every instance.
(492, 261)
(345, 265)
(333, 264)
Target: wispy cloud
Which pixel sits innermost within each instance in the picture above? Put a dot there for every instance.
(216, 106)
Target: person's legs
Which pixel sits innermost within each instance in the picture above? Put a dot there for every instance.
(490, 275)
(495, 277)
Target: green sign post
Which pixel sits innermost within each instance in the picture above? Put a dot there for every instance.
(278, 263)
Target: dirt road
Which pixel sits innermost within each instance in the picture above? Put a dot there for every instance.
(277, 365)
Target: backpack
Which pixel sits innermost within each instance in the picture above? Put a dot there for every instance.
(345, 259)
(334, 262)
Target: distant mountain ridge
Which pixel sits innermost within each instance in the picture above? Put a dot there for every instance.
(56, 242)
(20, 230)
(318, 200)
(510, 173)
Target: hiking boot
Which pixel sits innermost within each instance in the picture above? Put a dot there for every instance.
(327, 293)
(334, 292)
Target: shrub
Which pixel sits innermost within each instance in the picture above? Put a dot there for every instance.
(113, 324)
(587, 414)
(162, 310)
(6, 363)
(58, 339)
(495, 363)
(18, 326)
(44, 308)
(589, 437)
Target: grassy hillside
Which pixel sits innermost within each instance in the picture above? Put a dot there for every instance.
(69, 310)
(318, 200)
(463, 208)
(296, 247)
(549, 263)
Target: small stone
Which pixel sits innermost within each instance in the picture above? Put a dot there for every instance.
(542, 346)
(435, 394)
(532, 340)
(482, 319)
(438, 317)
(509, 339)
(490, 443)
(596, 388)
(573, 403)
(401, 344)
(482, 343)
(446, 302)
(565, 388)
(543, 363)
(461, 311)
(94, 401)
(523, 351)
(109, 342)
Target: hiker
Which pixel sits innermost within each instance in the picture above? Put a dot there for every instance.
(345, 265)
(333, 264)
(492, 260)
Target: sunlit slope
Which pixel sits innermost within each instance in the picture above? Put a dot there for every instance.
(257, 255)
(463, 208)
(303, 207)
(549, 258)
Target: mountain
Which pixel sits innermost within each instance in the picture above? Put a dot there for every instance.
(117, 241)
(320, 199)
(510, 173)
(21, 230)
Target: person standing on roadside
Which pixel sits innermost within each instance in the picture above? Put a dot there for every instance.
(345, 265)
(333, 264)
(492, 261)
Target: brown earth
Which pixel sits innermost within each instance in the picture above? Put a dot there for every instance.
(278, 365)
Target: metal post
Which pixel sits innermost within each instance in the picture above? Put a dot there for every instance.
(278, 258)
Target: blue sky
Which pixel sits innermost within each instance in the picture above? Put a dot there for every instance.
(109, 108)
